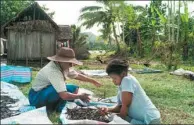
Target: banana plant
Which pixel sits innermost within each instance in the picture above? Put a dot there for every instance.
(185, 20)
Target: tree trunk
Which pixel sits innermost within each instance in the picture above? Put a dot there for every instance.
(193, 51)
(115, 35)
(178, 30)
(185, 49)
(173, 17)
(165, 31)
(153, 37)
(170, 57)
(169, 15)
(73, 40)
(185, 43)
(139, 44)
(109, 39)
(123, 33)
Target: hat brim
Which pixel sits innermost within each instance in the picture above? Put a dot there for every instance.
(62, 59)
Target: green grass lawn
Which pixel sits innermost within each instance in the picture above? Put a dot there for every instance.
(172, 95)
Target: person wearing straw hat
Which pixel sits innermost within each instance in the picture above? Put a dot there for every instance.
(49, 88)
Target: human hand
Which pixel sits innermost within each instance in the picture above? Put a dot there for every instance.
(84, 97)
(103, 110)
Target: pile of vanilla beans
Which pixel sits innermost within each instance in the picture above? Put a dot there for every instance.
(86, 113)
(5, 109)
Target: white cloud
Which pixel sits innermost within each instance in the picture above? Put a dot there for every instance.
(67, 12)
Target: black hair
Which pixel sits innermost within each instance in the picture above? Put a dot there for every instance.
(117, 66)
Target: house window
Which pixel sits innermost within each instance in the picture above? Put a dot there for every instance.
(62, 44)
(65, 44)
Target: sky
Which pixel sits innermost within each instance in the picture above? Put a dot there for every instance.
(67, 12)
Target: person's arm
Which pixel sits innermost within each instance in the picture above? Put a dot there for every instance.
(106, 110)
(115, 109)
(85, 78)
(57, 80)
(126, 101)
(71, 96)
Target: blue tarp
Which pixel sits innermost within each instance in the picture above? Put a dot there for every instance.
(17, 74)
(13, 91)
(147, 70)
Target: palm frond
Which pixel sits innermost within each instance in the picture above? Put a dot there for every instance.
(90, 8)
(89, 15)
(91, 18)
(90, 23)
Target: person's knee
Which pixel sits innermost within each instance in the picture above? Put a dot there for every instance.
(135, 121)
(51, 94)
(72, 88)
(32, 96)
(155, 121)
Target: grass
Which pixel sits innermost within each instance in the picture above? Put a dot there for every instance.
(171, 94)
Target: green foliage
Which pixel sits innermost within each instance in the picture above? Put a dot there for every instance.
(101, 46)
(167, 53)
(152, 23)
(125, 51)
(10, 8)
(79, 43)
(79, 40)
(83, 67)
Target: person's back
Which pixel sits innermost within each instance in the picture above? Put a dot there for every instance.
(42, 77)
(141, 108)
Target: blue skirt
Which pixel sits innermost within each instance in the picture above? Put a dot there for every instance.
(49, 97)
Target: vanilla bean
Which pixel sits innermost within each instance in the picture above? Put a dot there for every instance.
(86, 113)
(5, 109)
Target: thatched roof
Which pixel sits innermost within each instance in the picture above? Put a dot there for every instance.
(33, 25)
(65, 32)
(32, 12)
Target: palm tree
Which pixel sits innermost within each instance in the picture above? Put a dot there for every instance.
(78, 39)
(78, 43)
(91, 15)
(106, 33)
(185, 21)
(136, 23)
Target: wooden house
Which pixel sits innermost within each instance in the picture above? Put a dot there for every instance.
(31, 35)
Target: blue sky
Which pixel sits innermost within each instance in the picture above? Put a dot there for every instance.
(67, 12)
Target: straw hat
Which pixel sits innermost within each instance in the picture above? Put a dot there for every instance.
(65, 54)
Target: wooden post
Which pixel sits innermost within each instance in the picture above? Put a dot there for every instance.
(41, 49)
(15, 49)
(55, 43)
(26, 50)
(8, 48)
(34, 13)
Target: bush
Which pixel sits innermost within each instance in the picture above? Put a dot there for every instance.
(124, 51)
(83, 67)
(82, 53)
(101, 46)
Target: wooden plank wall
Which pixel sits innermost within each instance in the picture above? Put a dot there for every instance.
(18, 51)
